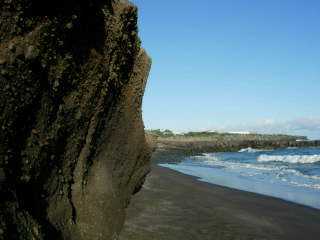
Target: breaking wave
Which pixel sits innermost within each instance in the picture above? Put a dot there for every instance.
(281, 172)
(250, 150)
(289, 158)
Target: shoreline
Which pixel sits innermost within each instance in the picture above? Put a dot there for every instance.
(198, 179)
(173, 205)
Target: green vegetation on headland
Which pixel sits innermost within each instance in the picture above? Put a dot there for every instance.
(206, 135)
(200, 142)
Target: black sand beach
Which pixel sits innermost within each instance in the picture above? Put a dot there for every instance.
(174, 206)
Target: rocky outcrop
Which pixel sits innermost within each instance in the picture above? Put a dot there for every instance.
(72, 142)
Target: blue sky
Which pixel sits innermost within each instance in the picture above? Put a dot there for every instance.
(232, 65)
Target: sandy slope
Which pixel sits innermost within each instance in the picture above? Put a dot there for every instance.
(173, 206)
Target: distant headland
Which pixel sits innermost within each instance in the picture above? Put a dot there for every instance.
(207, 141)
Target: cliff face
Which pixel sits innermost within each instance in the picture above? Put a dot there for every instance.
(72, 143)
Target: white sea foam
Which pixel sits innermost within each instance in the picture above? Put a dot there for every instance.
(250, 150)
(285, 172)
(289, 158)
(252, 169)
(212, 160)
(314, 186)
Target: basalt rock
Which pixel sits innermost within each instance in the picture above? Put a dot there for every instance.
(72, 142)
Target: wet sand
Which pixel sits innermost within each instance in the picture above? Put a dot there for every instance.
(174, 206)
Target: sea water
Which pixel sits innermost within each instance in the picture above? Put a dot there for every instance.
(292, 174)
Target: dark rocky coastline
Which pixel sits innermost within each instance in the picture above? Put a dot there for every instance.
(72, 142)
(175, 148)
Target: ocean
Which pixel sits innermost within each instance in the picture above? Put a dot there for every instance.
(292, 174)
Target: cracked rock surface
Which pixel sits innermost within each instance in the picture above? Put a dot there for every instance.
(72, 142)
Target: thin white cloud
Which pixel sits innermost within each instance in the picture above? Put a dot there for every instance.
(311, 124)
(302, 126)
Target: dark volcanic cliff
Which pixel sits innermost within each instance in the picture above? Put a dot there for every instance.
(72, 143)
